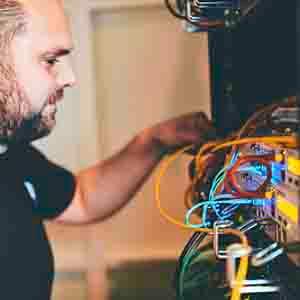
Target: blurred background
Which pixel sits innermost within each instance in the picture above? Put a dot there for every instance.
(135, 66)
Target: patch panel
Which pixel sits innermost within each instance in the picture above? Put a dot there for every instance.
(283, 190)
(292, 181)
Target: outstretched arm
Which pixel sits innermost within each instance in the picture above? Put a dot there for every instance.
(105, 188)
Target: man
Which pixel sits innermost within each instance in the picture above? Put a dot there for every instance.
(35, 44)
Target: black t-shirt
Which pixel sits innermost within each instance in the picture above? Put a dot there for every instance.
(31, 189)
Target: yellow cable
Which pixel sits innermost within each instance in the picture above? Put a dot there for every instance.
(289, 141)
(243, 267)
(205, 148)
(241, 276)
(161, 172)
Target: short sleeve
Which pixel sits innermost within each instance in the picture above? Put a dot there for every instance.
(53, 186)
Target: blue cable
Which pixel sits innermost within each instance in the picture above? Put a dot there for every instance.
(206, 204)
(214, 201)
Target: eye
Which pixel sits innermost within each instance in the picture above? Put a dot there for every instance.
(51, 61)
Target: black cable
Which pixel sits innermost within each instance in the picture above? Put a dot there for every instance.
(193, 243)
(201, 25)
(173, 11)
(180, 4)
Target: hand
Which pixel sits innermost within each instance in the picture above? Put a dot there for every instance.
(192, 128)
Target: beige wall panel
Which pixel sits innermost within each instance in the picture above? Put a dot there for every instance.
(148, 70)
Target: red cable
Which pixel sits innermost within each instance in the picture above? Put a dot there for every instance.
(232, 186)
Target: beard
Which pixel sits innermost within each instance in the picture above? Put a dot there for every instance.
(18, 121)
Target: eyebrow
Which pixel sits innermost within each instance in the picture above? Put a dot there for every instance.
(58, 52)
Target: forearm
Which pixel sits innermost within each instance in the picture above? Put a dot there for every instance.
(109, 185)
(105, 188)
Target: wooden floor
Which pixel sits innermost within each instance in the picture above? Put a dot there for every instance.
(129, 281)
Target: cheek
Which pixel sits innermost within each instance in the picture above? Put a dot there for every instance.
(32, 75)
(38, 84)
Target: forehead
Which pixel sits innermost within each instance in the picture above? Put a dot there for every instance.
(47, 23)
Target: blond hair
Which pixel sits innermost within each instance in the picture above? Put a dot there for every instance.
(12, 20)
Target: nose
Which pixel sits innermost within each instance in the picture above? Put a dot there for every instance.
(66, 76)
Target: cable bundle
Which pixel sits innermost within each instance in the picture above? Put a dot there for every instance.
(226, 196)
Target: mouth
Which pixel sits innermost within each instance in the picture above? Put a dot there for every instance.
(56, 97)
(60, 95)
(50, 108)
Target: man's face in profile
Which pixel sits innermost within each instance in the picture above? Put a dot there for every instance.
(34, 72)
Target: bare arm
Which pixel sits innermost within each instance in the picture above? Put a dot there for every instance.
(106, 187)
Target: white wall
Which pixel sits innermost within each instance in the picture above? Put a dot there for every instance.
(147, 70)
